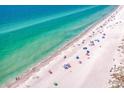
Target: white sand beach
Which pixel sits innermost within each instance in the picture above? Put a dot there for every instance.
(87, 62)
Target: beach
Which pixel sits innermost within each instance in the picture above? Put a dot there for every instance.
(85, 62)
(31, 36)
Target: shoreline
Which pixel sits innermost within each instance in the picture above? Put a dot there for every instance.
(47, 60)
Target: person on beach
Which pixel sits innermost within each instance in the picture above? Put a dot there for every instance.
(50, 72)
(97, 40)
(85, 48)
(77, 57)
(67, 66)
(92, 43)
(87, 53)
(17, 78)
(65, 57)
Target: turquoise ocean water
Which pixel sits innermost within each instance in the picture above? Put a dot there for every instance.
(31, 33)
